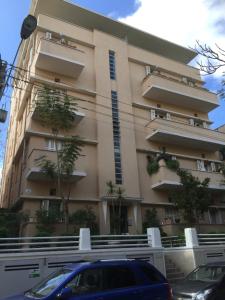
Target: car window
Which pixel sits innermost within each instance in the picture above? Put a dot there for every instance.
(45, 287)
(207, 273)
(88, 281)
(151, 274)
(118, 277)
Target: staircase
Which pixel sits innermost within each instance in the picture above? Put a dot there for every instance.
(173, 273)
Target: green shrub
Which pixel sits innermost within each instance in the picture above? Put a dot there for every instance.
(172, 164)
(84, 218)
(152, 167)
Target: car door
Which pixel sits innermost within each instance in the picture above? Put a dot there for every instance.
(119, 283)
(218, 291)
(87, 285)
(153, 284)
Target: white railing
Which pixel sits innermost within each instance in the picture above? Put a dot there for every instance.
(38, 244)
(120, 241)
(173, 241)
(211, 239)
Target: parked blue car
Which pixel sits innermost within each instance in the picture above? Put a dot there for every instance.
(102, 280)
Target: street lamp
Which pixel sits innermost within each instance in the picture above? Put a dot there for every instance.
(28, 27)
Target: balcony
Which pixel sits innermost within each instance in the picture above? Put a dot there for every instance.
(34, 173)
(77, 116)
(59, 58)
(176, 133)
(165, 179)
(175, 92)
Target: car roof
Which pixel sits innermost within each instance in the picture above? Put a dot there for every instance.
(112, 262)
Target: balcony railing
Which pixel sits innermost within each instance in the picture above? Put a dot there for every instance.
(169, 90)
(170, 132)
(57, 57)
(34, 172)
(166, 179)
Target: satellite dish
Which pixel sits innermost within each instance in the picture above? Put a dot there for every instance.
(28, 27)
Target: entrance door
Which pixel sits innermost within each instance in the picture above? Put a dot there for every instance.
(118, 219)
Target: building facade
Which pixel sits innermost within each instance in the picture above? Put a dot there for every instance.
(136, 97)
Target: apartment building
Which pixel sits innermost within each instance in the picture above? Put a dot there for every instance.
(136, 97)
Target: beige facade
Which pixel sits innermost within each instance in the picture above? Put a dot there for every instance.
(161, 104)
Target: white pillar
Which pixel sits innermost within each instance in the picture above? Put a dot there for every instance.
(135, 210)
(105, 208)
(191, 237)
(85, 239)
(154, 237)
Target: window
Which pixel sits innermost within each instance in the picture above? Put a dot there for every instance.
(151, 275)
(52, 206)
(112, 66)
(88, 281)
(118, 277)
(50, 144)
(116, 137)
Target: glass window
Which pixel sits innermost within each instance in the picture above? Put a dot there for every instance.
(88, 281)
(116, 137)
(151, 275)
(207, 273)
(118, 277)
(112, 65)
(47, 286)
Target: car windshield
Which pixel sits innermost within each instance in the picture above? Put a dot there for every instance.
(207, 273)
(45, 287)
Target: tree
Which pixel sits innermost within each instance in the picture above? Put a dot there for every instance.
(215, 60)
(55, 110)
(45, 222)
(10, 223)
(193, 198)
(150, 219)
(84, 218)
(116, 193)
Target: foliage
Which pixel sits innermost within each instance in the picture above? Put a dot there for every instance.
(67, 156)
(152, 166)
(215, 59)
(153, 163)
(116, 193)
(84, 218)
(10, 223)
(55, 109)
(150, 219)
(193, 198)
(172, 164)
(46, 221)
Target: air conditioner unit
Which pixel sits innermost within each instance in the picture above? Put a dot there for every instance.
(48, 35)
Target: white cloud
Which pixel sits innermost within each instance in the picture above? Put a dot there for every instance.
(182, 21)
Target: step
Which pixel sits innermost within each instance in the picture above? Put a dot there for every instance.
(175, 276)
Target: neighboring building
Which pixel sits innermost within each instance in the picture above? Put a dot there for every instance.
(137, 96)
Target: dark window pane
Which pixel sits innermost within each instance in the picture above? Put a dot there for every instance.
(118, 277)
(87, 282)
(151, 275)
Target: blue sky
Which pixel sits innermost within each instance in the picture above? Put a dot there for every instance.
(139, 13)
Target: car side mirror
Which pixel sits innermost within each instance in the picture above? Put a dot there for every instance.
(65, 294)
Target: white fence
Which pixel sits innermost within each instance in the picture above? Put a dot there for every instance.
(24, 261)
(211, 239)
(173, 241)
(120, 241)
(38, 244)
